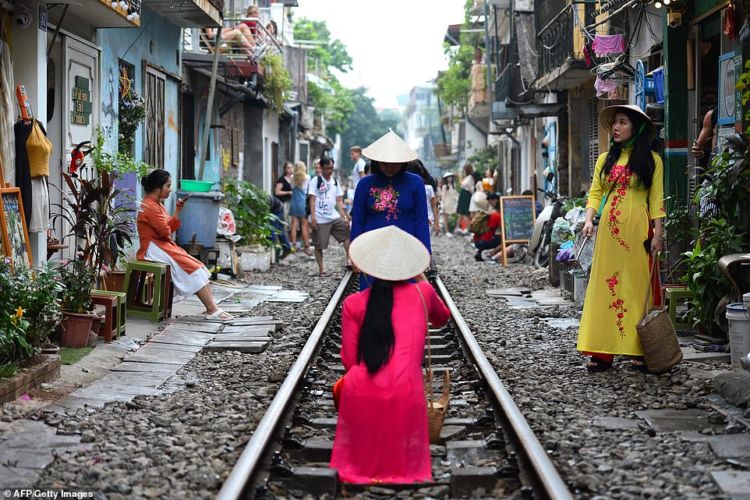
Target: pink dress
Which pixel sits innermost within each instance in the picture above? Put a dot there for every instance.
(381, 435)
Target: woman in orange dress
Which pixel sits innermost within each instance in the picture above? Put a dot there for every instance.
(155, 228)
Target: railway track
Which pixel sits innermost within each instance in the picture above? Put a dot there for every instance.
(487, 447)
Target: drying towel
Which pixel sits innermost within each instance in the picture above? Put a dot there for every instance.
(604, 86)
(608, 44)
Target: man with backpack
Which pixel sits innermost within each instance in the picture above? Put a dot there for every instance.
(327, 214)
(484, 225)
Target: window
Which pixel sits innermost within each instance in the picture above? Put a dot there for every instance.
(154, 129)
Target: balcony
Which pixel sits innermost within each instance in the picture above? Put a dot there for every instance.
(243, 45)
(99, 13)
(560, 46)
(479, 102)
(189, 13)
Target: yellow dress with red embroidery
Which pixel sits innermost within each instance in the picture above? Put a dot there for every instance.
(618, 282)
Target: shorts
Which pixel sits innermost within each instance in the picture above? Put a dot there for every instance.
(336, 228)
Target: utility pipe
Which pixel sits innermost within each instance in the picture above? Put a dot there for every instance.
(210, 104)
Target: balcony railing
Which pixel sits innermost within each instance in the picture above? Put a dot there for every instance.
(242, 40)
(558, 41)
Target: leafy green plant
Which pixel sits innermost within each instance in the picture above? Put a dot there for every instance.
(118, 163)
(571, 203)
(77, 278)
(252, 212)
(276, 81)
(131, 113)
(454, 84)
(38, 293)
(15, 347)
(702, 274)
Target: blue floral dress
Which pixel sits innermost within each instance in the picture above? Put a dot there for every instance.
(399, 201)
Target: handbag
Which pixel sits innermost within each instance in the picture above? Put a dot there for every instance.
(436, 408)
(661, 348)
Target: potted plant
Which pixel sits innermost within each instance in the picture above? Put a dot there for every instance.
(77, 278)
(38, 293)
(101, 215)
(254, 220)
(276, 81)
(15, 346)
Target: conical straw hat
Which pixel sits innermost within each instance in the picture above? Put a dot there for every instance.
(389, 253)
(390, 149)
(607, 116)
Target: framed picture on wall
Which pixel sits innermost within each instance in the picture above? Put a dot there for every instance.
(15, 236)
(728, 74)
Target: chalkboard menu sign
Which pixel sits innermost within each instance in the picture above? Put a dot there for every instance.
(15, 237)
(517, 224)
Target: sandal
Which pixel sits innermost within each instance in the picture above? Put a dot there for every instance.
(220, 314)
(637, 363)
(597, 365)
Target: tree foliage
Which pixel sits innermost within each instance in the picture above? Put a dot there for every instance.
(365, 123)
(454, 84)
(330, 98)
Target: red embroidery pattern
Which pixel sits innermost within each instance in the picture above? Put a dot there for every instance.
(385, 200)
(620, 176)
(617, 305)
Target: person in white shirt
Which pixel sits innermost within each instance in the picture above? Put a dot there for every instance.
(358, 171)
(327, 215)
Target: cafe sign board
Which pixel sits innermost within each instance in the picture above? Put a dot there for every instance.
(81, 113)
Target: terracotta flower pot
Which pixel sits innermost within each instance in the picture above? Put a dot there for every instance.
(114, 281)
(75, 329)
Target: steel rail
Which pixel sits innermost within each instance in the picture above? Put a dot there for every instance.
(244, 470)
(552, 484)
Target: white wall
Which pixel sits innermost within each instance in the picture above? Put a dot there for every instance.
(270, 135)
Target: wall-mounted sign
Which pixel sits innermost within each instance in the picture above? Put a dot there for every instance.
(81, 114)
(730, 102)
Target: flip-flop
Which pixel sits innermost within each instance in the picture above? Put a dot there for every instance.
(220, 314)
(597, 365)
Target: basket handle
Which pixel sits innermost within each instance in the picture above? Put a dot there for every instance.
(429, 351)
(650, 281)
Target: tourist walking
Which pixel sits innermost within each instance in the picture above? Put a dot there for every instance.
(381, 433)
(155, 228)
(283, 189)
(391, 195)
(358, 170)
(327, 215)
(464, 199)
(448, 199)
(627, 189)
(297, 213)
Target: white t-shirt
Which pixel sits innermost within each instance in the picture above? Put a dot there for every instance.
(359, 169)
(429, 194)
(325, 199)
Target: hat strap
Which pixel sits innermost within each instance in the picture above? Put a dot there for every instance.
(630, 141)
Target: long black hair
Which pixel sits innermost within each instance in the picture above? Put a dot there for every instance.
(375, 167)
(417, 167)
(641, 161)
(376, 338)
(155, 180)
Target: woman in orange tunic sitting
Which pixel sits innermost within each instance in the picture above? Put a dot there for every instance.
(155, 228)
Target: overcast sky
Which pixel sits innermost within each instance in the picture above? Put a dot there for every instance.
(394, 44)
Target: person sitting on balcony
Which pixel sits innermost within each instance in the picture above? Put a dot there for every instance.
(237, 40)
(252, 24)
(272, 29)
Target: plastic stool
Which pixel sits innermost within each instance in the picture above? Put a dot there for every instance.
(672, 295)
(135, 277)
(109, 327)
(122, 309)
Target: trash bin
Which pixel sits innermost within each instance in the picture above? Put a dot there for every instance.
(739, 332)
(200, 217)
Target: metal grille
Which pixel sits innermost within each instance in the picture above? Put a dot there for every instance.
(304, 152)
(154, 154)
(593, 138)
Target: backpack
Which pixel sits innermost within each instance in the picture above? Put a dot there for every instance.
(480, 224)
(307, 198)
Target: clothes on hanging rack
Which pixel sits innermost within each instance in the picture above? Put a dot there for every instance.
(608, 44)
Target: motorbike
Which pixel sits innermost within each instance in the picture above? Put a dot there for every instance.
(542, 232)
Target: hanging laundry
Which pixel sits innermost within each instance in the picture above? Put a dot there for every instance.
(608, 44)
(730, 22)
(33, 151)
(604, 86)
(658, 75)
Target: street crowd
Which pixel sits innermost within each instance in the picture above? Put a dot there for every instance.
(384, 217)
